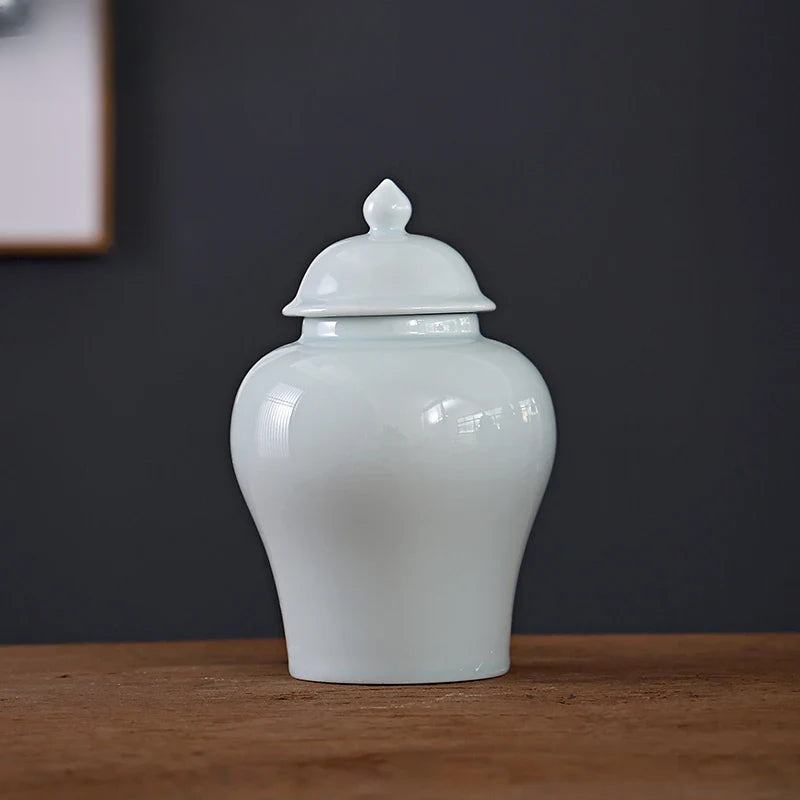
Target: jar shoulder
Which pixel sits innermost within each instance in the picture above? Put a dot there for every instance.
(475, 407)
(480, 365)
(477, 394)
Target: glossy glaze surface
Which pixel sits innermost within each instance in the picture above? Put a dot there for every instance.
(393, 466)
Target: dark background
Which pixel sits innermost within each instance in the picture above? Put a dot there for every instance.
(622, 178)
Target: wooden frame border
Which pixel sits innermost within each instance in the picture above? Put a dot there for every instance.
(69, 247)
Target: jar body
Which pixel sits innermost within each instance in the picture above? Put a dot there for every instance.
(393, 467)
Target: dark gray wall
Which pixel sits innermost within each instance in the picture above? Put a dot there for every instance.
(622, 178)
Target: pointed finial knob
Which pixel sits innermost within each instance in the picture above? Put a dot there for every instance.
(387, 210)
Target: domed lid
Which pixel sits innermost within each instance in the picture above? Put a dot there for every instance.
(387, 271)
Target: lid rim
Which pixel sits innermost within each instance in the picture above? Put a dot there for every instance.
(308, 310)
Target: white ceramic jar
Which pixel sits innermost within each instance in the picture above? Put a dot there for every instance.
(393, 460)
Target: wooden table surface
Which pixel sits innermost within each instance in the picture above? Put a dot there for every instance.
(577, 717)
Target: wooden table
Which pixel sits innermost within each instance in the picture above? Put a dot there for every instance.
(577, 717)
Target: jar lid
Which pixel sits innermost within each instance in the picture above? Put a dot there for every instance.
(387, 271)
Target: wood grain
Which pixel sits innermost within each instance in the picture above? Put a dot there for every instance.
(577, 717)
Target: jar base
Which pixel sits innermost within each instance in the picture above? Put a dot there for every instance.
(389, 677)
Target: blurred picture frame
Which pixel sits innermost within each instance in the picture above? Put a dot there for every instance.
(56, 135)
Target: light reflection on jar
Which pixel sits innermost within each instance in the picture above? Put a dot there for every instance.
(485, 422)
(462, 324)
(274, 417)
(528, 409)
(436, 413)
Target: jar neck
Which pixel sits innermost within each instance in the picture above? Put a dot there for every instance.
(439, 326)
